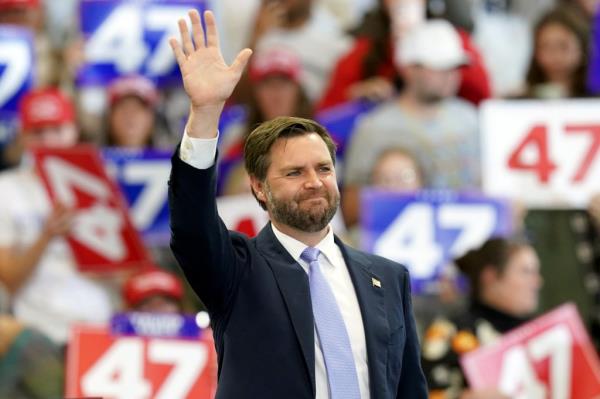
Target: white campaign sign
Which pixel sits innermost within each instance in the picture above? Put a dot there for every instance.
(545, 153)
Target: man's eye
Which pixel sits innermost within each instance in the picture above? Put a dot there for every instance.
(293, 173)
(325, 168)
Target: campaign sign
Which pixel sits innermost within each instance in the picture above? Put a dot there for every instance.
(544, 153)
(549, 357)
(9, 122)
(125, 37)
(102, 238)
(142, 176)
(242, 213)
(425, 230)
(155, 324)
(593, 81)
(112, 366)
(17, 65)
(341, 120)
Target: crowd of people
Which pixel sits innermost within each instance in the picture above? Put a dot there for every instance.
(420, 70)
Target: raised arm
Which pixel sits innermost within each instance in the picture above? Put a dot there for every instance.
(207, 79)
(199, 239)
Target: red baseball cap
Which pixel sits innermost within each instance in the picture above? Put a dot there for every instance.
(149, 282)
(275, 61)
(45, 107)
(9, 4)
(134, 85)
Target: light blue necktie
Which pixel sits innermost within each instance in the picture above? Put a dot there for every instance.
(335, 344)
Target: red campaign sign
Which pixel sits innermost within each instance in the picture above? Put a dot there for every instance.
(549, 357)
(132, 367)
(103, 238)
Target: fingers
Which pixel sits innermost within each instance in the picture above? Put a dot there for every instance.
(212, 35)
(188, 46)
(241, 61)
(60, 220)
(197, 29)
(178, 51)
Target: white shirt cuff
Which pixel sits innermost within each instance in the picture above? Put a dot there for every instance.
(199, 153)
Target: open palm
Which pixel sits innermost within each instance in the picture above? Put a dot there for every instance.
(207, 79)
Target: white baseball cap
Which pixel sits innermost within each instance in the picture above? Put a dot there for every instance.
(434, 44)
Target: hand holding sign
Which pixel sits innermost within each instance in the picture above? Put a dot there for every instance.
(59, 222)
(207, 79)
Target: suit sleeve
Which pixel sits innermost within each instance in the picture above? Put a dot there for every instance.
(200, 241)
(412, 381)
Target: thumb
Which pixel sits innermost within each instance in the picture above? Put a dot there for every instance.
(241, 61)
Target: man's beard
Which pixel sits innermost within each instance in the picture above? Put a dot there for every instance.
(310, 221)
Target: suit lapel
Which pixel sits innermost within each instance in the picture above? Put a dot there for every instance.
(371, 301)
(293, 285)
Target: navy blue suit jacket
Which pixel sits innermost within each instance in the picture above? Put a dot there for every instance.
(259, 302)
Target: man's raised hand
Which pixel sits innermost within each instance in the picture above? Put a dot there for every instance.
(207, 79)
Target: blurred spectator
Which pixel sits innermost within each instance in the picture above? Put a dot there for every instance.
(348, 12)
(505, 280)
(46, 118)
(30, 14)
(397, 170)
(31, 366)
(504, 37)
(426, 119)
(368, 70)
(306, 28)
(275, 91)
(594, 283)
(131, 114)
(36, 263)
(154, 290)
(588, 7)
(558, 68)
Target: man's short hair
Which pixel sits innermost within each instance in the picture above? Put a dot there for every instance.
(258, 144)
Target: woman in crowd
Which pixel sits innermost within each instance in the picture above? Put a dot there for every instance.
(504, 279)
(558, 68)
(131, 114)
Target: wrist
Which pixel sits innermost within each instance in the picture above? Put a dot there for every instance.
(203, 121)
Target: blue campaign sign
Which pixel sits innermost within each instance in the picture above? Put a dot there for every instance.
(172, 325)
(8, 127)
(424, 231)
(125, 37)
(142, 177)
(594, 62)
(17, 65)
(340, 121)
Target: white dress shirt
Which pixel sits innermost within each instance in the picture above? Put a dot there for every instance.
(200, 153)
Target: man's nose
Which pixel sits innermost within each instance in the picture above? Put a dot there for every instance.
(313, 180)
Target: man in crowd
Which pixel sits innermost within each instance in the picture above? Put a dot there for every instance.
(427, 118)
(36, 263)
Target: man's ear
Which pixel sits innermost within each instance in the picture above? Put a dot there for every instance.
(258, 188)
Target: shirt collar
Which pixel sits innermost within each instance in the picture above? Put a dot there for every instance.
(295, 248)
